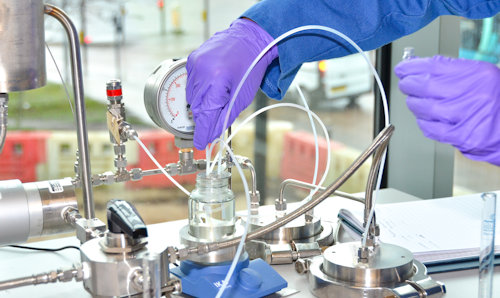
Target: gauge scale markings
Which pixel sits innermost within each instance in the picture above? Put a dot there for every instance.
(173, 97)
(165, 99)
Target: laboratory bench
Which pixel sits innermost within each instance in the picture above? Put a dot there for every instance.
(15, 263)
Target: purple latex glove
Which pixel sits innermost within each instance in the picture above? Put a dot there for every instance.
(214, 72)
(456, 101)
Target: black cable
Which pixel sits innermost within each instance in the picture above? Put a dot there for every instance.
(45, 249)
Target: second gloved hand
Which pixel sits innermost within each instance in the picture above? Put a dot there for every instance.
(214, 72)
(456, 101)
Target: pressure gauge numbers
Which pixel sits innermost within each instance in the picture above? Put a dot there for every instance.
(165, 99)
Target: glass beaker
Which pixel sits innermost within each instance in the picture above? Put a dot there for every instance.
(211, 207)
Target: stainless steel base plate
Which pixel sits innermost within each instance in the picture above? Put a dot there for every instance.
(391, 272)
(214, 257)
(298, 230)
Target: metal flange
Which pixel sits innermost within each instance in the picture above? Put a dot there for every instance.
(214, 257)
(390, 272)
(299, 230)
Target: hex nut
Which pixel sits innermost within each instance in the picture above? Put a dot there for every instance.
(172, 254)
(280, 206)
(363, 254)
(136, 174)
(66, 275)
(268, 254)
(302, 266)
(79, 272)
(120, 163)
(119, 149)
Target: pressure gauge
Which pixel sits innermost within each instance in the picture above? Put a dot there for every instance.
(165, 98)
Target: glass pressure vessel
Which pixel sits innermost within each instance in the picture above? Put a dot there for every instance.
(211, 207)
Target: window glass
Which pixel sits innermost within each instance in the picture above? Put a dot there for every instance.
(340, 92)
(479, 41)
(128, 40)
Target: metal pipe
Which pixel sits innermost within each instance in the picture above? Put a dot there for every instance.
(18, 282)
(81, 120)
(247, 163)
(44, 278)
(4, 99)
(254, 194)
(302, 184)
(370, 186)
(153, 172)
(382, 138)
(174, 286)
(137, 173)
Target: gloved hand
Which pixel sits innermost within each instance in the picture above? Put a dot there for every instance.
(214, 72)
(456, 101)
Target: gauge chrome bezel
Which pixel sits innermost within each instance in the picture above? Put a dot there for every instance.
(152, 91)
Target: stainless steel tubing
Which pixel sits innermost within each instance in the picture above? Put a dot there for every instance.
(18, 282)
(302, 184)
(371, 184)
(81, 119)
(153, 172)
(4, 99)
(75, 273)
(22, 45)
(381, 140)
(247, 163)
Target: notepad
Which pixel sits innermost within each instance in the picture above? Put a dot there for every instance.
(434, 230)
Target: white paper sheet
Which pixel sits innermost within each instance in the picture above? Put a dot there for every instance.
(435, 230)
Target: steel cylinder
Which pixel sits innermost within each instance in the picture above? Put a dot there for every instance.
(34, 209)
(22, 45)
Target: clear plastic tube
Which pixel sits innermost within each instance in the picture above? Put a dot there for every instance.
(62, 80)
(291, 32)
(290, 105)
(207, 158)
(231, 103)
(160, 167)
(316, 145)
(208, 151)
(372, 69)
(239, 250)
(277, 40)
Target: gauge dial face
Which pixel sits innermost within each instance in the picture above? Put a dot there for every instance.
(173, 106)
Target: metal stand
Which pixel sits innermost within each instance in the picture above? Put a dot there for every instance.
(81, 120)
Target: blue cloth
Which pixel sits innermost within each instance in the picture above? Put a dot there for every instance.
(370, 23)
